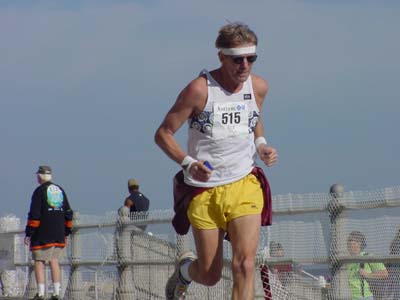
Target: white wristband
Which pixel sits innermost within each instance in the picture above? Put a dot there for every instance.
(260, 140)
(187, 162)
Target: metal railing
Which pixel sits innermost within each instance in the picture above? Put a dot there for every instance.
(112, 258)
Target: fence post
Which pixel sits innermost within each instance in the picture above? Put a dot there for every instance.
(182, 244)
(31, 287)
(75, 289)
(8, 256)
(336, 208)
(126, 288)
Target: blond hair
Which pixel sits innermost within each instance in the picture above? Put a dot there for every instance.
(235, 34)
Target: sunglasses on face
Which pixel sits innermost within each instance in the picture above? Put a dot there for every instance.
(239, 59)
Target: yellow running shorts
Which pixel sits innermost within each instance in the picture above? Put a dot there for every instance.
(217, 206)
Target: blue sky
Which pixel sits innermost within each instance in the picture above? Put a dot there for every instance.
(84, 86)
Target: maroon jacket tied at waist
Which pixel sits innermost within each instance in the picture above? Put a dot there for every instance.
(184, 193)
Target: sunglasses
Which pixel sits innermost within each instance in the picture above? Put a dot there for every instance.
(239, 59)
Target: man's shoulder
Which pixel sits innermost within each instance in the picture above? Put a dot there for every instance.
(55, 184)
(137, 194)
(374, 266)
(197, 88)
(46, 184)
(42, 187)
(260, 85)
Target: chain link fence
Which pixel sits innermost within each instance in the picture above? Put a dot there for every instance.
(303, 255)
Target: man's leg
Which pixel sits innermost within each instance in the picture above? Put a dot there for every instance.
(244, 234)
(204, 269)
(39, 274)
(55, 275)
(207, 268)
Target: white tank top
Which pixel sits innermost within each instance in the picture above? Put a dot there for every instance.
(223, 134)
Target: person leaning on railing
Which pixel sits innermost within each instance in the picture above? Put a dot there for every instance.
(360, 275)
(139, 203)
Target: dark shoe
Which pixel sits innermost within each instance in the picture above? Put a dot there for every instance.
(37, 297)
(176, 286)
(54, 297)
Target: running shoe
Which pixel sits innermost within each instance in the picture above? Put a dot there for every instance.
(176, 285)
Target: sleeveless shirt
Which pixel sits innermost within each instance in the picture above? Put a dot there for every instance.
(223, 133)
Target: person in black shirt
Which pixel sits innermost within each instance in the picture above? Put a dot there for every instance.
(49, 223)
(140, 202)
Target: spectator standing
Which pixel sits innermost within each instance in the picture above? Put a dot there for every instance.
(49, 224)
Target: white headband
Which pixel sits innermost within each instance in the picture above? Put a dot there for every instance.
(238, 51)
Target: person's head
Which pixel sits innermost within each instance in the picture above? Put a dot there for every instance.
(43, 174)
(356, 242)
(237, 44)
(133, 185)
(276, 249)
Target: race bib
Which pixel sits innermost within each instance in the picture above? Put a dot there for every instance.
(230, 119)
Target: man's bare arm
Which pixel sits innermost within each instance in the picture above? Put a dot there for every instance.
(190, 101)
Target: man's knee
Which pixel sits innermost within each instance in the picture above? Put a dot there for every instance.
(40, 263)
(53, 261)
(244, 266)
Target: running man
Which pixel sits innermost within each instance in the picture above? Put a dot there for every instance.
(223, 109)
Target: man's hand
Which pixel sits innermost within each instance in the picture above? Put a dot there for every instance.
(363, 273)
(27, 240)
(268, 154)
(199, 171)
(381, 274)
